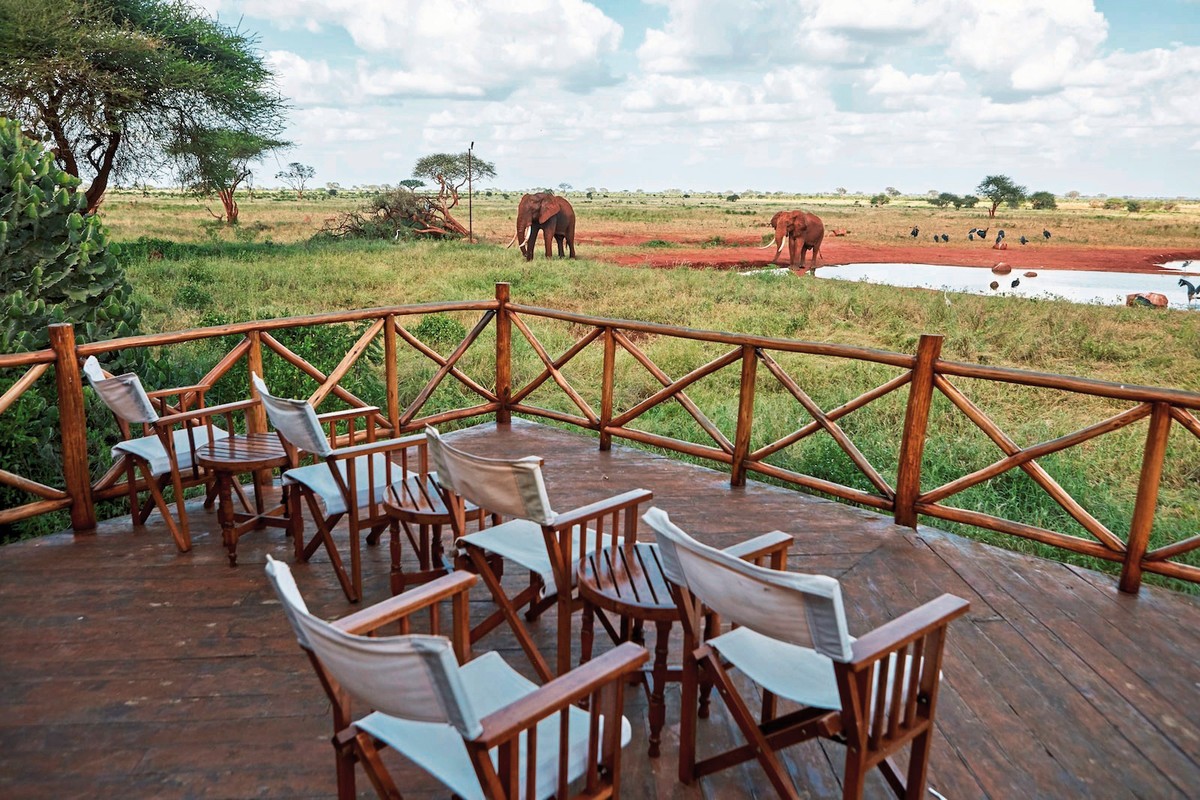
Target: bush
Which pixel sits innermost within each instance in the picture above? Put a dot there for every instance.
(968, 201)
(1044, 201)
(880, 199)
(1133, 205)
(733, 198)
(944, 199)
(56, 265)
(1114, 204)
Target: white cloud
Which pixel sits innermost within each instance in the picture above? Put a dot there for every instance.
(473, 48)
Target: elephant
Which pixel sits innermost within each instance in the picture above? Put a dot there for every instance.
(549, 215)
(802, 232)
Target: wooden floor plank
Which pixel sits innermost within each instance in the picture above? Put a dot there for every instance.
(130, 670)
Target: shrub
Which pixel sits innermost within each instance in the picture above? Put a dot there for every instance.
(1133, 205)
(880, 199)
(1114, 203)
(439, 329)
(56, 265)
(1043, 201)
(733, 198)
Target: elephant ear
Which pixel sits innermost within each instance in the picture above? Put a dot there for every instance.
(775, 218)
(550, 207)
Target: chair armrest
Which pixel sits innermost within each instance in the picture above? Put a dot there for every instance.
(761, 546)
(199, 387)
(906, 628)
(402, 605)
(381, 446)
(347, 413)
(565, 690)
(204, 413)
(620, 502)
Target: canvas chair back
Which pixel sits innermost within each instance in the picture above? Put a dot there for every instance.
(804, 610)
(512, 487)
(295, 420)
(123, 394)
(412, 677)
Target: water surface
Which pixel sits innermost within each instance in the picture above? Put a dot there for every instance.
(1107, 288)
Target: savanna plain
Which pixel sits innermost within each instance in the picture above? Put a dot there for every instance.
(676, 260)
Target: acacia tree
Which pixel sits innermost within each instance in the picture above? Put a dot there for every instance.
(297, 176)
(449, 171)
(1000, 189)
(217, 161)
(111, 84)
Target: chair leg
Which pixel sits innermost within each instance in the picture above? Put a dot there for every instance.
(377, 773)
(854, 778)
(754, 735)
(564, 633)
(688, 712)
(481, 567)
(135, 511)
(325, 536)
(182, 540)
(918, 764)
(185, 535)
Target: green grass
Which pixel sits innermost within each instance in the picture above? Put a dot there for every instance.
(195, 276)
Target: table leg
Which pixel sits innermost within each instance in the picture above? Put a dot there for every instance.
(226, 516)
(587, 633)
(658, 706)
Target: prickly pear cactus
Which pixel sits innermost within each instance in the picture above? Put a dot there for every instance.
(56, 265)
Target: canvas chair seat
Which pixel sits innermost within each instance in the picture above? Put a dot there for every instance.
(796, 673)
(319, 479)
(522, 541)
(150, 448)
(490, 685)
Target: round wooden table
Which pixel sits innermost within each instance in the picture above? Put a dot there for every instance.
(632, 586)
(419, 505)
(230, 457)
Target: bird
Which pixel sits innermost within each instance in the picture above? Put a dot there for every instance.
(936, 238)
(915, 231)
(999, 237)
(945, 237)
(1000, 233)
(1187, 264)
(981, 233)
(971, 235)
(1192, 291)
(1045, 233)
(1015, 283)
(1023, 240)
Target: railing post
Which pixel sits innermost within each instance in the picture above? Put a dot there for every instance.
(916, 422)
(503, 355)
(1147, 497)
(745, 417)
(606, 388)
(256, 418)
(391, 377)
(73, 426)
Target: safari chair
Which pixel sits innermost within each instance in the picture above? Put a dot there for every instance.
(477, 726)
(377, 471)
(875, 694)
(166, 450)
(548, 545)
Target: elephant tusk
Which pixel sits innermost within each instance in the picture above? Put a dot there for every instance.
(528, 234)
(768, 244)
(781, 245)
(510, 244)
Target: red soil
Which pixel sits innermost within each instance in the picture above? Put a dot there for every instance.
(1041, 254)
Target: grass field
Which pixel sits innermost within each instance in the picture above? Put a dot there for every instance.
(266, 267)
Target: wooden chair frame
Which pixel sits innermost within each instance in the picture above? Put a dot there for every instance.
(604, 521)
(171, 417)
(872, 733)
(373, 516)
(598, 684)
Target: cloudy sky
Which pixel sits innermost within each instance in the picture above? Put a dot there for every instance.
(1095, 96)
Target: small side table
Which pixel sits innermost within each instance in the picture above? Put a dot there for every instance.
(420, 504)
(230, 457)
(632, 586)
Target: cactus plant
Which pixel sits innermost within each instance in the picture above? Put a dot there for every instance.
(56, 263)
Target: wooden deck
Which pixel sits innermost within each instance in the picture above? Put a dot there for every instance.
(128, 670)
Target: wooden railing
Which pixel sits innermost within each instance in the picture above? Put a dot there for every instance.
(924, 373)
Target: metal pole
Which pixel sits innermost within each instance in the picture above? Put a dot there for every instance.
(470, 197)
